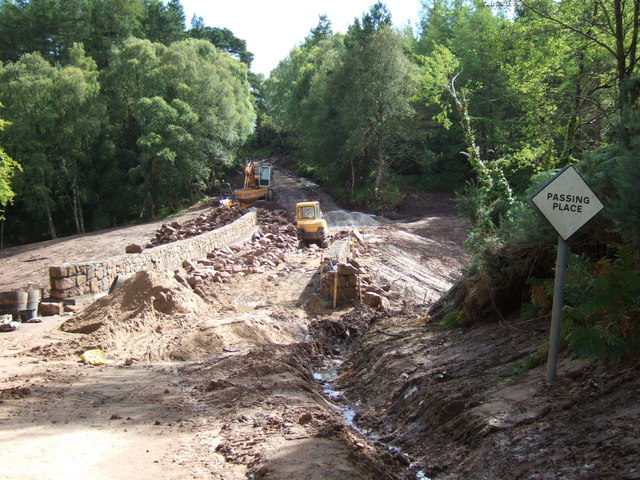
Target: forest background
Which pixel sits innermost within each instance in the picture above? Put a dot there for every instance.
(115, 112)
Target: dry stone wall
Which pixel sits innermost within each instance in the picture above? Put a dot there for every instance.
(73, 279)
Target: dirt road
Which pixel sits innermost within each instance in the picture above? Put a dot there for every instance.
(261, 379)
(221, 389)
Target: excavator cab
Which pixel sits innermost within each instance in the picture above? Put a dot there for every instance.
(265, 178)
(311, 225)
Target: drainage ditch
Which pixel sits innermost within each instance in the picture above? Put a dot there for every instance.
(338, 337)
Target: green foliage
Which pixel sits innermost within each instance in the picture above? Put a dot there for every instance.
(486, 200)
(56, 117)
(361, 30)
(192, 111)
(107, 127)
(471, 202)
(528, 362)
(619, 169)
(8, 168)
(163, 23)
(343, 102)
(603, 307)
(451, 320)
(223, 38)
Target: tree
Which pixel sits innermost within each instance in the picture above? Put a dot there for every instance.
(372, 21)
(163, 23)
(51, 27)
(344, 103)
(25, 89)
(378, 86)
(181, 112)
(610, 25)
(56, 116)
(112, 22)
(320, 32)
(223, 38)
(438, 76)
(80, 120)
(8, 168)
(563, 85)
(606, 33)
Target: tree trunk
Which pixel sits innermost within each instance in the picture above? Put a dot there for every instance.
(572, 125)
(380, 153)
(490, 176)
(353, 179)
(74, 208)
(52, 227)
(484, 176)
(81, 218)
(77, 208)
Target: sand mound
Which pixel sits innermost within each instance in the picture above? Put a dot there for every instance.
(153, 317)
(142, 319)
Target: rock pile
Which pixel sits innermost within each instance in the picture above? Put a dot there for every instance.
(219, 217)
(347, 280)
(352, 284)
(171, 232)
(268, 249)
(347, 277)
(279, 217)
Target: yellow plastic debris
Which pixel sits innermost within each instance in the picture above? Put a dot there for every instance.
(95, 357)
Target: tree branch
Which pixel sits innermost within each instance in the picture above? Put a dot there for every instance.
(566, 26)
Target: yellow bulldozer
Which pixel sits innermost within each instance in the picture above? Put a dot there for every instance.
(311, 226)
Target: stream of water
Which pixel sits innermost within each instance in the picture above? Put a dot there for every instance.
(325, 375)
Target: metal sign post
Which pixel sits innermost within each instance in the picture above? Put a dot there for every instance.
(567, 203)
(556, 312)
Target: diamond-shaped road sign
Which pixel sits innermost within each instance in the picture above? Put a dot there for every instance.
(567, 202)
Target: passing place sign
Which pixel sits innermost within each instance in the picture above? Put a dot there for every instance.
(567, 202)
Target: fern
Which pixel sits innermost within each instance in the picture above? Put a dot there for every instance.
(603, 307)
(451, 320)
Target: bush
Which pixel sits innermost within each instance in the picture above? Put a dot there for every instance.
(602, 313)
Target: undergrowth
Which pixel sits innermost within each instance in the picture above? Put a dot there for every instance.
(513, 269)
(602, 312)
(451, 320)
(528, 362)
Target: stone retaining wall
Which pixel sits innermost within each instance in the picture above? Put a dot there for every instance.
(73, 279)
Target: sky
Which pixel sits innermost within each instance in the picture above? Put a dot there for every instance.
(272, 28)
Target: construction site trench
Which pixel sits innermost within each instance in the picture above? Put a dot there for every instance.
(236, 366)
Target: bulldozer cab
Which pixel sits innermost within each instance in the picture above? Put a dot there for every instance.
(309, 212)
(311, 226)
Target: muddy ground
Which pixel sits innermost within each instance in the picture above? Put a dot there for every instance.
(262, 379)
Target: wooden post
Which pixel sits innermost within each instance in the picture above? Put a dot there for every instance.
(335, 289)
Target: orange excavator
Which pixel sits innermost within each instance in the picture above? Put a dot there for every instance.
(258, 183)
